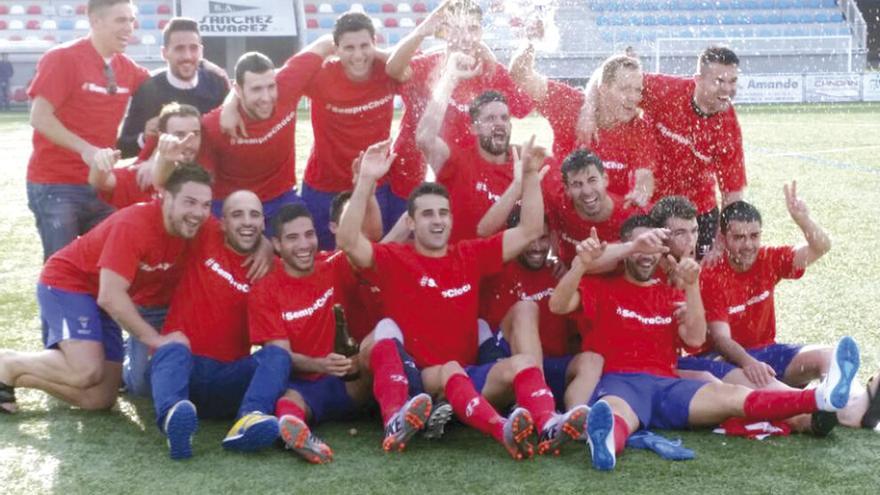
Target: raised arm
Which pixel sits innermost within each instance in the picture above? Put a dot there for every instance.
(650, 242)
(692, 329)
(588, 125)
(531, 223)
(495, 219)
(565, 297)
(818, 242)
(527, 79)
(350, 238)
(397, 66)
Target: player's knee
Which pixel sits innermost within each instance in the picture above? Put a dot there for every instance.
(87, 375)
(387, 329)
(94, 400)
(519, 362)
(587, 362)
(450, 369)
(729, 395)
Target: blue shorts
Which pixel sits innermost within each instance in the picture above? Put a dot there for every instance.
(270, 208)
(326, 398)
(493, 349)
(318, 203)
(476, 372)
(778, 356)
(555, 370)
(76, 316)
(658, 401)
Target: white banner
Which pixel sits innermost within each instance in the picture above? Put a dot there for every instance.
(832, 87)
(242, 17)
(871, 86)
(770, 89)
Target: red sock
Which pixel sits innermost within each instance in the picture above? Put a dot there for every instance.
(472, 408)
(390, 386)
(285, 407)
(533, 394)
(772, 404)
(621, 433)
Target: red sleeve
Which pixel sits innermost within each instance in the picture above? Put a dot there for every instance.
(714, 298)
(589, 291)
(297, 74)
(781, 259)
(344, 279)
(264, 314)
(119, 253)
(561, 107)
(51, 80)
(488, 253)
(730, 165)
(381, 269)
(519, 103)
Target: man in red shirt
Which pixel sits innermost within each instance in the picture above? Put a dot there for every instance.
(698, 134)
(458, 22)
(636, 330)
(265, 101)
(740, 308)
(214, 371)
(133, 258)
(430, 292)
(80, 93)
(120, 186)
(352, 105)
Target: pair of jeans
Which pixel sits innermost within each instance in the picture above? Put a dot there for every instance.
(63, 212)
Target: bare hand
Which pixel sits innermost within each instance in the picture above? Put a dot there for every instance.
(461, 66)
(171, 148)
(376, 160)
(651, 242)
(797, 208)
(335, 364)
(435, 20)
(102, 159)
(260, 261)
(231, 122)
(175, 337)
(680, 312)
(144, 175)
(759, 373)
(591, 248)
(522, 65)
(532, 156)
(685, 273)
(642, 190)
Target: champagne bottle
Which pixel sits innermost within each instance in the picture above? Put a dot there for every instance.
(344, 344)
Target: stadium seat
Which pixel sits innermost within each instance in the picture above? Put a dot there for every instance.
(81, 9)
(325, 8)
(404, 8)
(380, 38)
(391, 22)
(311, 8)
(406, 22)
(50, 38)
(373, 8)
(163, 23)
(34, 10)
(790, 18)
(164, 9)
(357, 7)
(4, 9)
(66, 10)
(49, 25)
(419, 7)
(16, 10)
(50, 11)
(15, 37)
(3, 25)
(16, 25)
(393, 38)
(340, 7)
(326, 23)
(377, 23)
(312, 23)
(65, 24)
(389, 8)
(147, 9)
(81, 25)
(148, 39)
(148, 24)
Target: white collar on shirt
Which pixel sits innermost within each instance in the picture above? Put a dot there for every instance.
(180, 83)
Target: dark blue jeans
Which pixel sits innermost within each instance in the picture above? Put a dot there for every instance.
(218, 389)
(136, 366)
(63, 212)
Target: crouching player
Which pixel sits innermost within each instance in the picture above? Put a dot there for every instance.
(633, 314)
(294, 306)
(429, 291)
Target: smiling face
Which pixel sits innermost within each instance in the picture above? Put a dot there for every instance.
(619, 99)
(180, 126)
(183, 54)
(587, 190)
(431, 223)
(535, 255)
(640, 267)
(112, 27)
(742, 240)
(356, 51)
(243, 221)
(297, 244)
(492, 128)
(186, 211)
(258, 94)
(716, 87)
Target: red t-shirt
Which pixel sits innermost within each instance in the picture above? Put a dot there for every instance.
(133, 243)
(623, 148)
(71, 77)
(363, 308)
(127, 192)
(519, 283)
(571, 229)
(633, 327)
(693, 151)
(435, 301)
(408, 170)
(210, 302)
(347, 117)
(300, 309)
(745, 300)
(474, 185)
(264, 162)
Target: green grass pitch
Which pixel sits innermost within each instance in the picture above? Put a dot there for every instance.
(831, 150)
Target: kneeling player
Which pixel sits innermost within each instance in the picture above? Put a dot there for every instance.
(634, 316)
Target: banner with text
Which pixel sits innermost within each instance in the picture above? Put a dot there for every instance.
(871, 86)
(242, 17)
(832, 87)
(770, 89)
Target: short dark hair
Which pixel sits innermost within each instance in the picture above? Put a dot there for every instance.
(187, 172)
(634, 222)
(738, 211)
(579, 160)
(716, 55)
(352, 22)
(286, 214)
(175, 109)
(470, 7)
(424, 189)
(254, 62)
(179, 24)
(484, 98)
(337, 205)
(94, 5)
(672, 206)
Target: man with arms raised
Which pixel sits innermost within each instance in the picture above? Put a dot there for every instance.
(79, 93)
(91, 287)
(638, 333)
